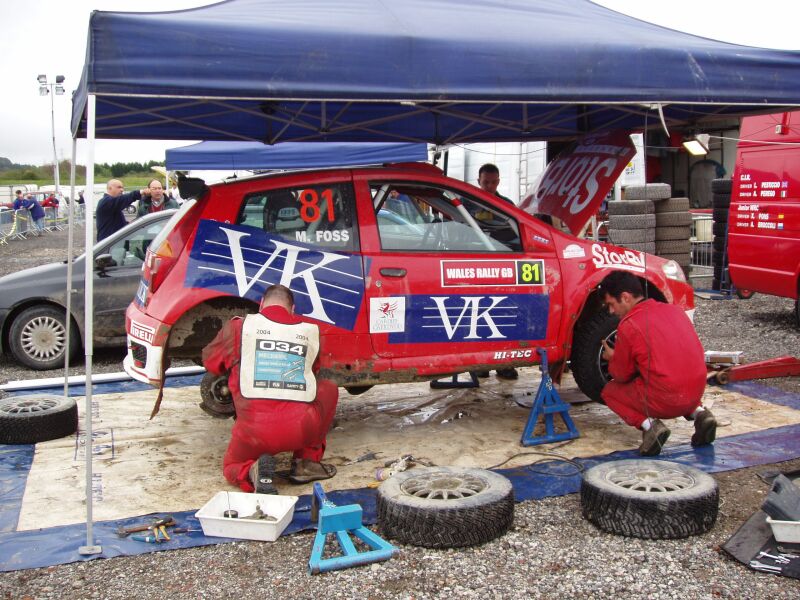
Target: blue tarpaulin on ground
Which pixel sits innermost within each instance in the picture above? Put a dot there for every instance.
(290, 155)
(59, 545)
(437, 71)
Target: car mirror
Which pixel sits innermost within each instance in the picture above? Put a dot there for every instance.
(104, 261)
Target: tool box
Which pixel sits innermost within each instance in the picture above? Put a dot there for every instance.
(214, 524)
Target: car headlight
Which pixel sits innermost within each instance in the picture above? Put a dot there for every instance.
(673, 271)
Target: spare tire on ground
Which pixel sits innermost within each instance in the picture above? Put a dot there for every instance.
(445, 507)
(651, 499)
(37, 418)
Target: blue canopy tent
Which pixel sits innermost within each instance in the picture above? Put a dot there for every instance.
(290, 155)
(438, 71)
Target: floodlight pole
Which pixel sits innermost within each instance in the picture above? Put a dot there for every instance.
(53, 89)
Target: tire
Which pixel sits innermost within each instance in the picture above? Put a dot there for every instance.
(622, 237)
(37, 418)
(720, 215)
(673, 205)
(630, 207)
(672, 233)
(720, 200)
(721, 186)
(411, 508)
(745, 294)
(719, 229)
(684, 260)
(673, 219)
(719, 243)
(355, 390)
(588, 368)
(38, 338)
(632, 222)
(718, 257)
(216, 398)
(716, 284)
(650, 191)
(650, 499)
(648, 247)
(673, 247)
(797, 312)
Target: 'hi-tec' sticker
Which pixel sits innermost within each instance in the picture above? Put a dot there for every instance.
(628, 260)
(245, 261)
(465, 273)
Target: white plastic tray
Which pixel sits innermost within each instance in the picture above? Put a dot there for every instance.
(785, 531)
(216, 525)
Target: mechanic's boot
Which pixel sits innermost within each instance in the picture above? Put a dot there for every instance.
(262, 472)
(509, 373)
(306, 471)
(654, 439)
(705, 428)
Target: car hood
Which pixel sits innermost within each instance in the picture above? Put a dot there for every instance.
(573, 186)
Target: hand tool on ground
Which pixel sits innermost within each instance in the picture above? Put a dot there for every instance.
(777, 559)
(126, 531)
(343, 521)
(759, 566)
(160, 533)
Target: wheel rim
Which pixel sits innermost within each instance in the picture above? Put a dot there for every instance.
(442, 485)
(602, 364)
(43, 338)
(28, 406)
(650, 478)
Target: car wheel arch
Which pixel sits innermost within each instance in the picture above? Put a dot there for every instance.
(199, 324)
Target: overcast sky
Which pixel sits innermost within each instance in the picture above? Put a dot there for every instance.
(49, 37)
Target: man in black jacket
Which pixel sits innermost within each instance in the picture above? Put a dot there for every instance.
(110, 217)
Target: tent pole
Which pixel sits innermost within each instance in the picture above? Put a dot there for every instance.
(70, 244)
(90, 547)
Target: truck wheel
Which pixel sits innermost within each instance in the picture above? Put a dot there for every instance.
(216, 396)
(37, 418)
(588, 367)
(745, 294)
(445, 507)
(650, 499)
(355, 390)
(38, 338)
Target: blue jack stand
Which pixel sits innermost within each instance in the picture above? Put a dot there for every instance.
(548, 403)
(343, 521)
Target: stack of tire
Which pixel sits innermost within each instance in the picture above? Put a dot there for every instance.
(632, 222)
(674, 230)
(720, 202)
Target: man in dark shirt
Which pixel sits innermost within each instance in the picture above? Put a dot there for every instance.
(110, 217)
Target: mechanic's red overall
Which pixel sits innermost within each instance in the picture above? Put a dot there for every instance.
(658, 365)
(265, 425)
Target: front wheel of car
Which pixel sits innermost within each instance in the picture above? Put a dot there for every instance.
(38, 338)
(588, 366)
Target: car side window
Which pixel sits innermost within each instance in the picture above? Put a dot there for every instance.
(322, 215)
(428, 218)
(130, 251)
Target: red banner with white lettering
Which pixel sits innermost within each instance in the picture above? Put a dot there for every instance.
(574, 185)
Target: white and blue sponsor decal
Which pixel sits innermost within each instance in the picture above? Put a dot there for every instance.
(474, 318)
(244, 261)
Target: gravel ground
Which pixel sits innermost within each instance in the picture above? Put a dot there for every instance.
(551, 552)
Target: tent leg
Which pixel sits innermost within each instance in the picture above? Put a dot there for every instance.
(90, 547)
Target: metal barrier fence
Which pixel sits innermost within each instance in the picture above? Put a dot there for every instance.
(18, 224)
(702, 236)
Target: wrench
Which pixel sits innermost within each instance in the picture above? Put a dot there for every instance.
(759, 566)
(778, 559)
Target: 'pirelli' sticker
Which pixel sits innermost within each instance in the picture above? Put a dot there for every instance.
(473, 273)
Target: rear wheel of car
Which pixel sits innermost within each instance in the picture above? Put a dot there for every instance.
(588, 367)
(745, 294)
(38, 338)
(355, 390)
(37, 418)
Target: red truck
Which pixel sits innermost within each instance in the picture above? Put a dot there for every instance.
(409, 274)
(764, 216)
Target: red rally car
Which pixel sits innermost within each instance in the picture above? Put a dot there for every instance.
(409, 274)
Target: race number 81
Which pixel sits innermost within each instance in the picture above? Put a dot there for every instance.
(530, 272)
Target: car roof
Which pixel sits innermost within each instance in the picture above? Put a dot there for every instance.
(410, 167)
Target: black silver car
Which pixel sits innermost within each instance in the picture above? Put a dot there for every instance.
(33, 301)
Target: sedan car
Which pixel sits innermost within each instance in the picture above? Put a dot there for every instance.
(33, 301)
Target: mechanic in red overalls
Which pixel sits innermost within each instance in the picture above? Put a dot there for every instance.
(280, 406)
(657, 365)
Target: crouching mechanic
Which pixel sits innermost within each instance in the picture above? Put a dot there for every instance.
(657, 365)
(280, 406)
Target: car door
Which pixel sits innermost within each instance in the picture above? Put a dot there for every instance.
(116, 280)
(450, 283)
